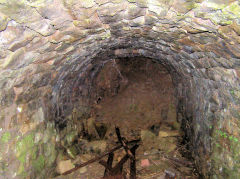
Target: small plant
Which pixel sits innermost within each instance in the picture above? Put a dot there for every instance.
(232, 92)
(235, 139)
(227, 136)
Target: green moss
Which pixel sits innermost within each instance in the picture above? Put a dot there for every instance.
(231, 164)
(19, 10)
(235, 139)
(5, 137)
(26, 143)
(106, 35)
(229, 145)
(76, 22)
(225, 22)
(126, 28)
(13, 57)
(38, 164)
(3, 22)
(24, 146)
(131, 1)
(191, 5)
(235, 8)
(22, 159)
(3, 1)
(12, 7)
(34, 153)
(27, 151)
(21, 169)
(222, 134)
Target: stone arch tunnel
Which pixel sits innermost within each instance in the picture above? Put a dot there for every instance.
(52, 50)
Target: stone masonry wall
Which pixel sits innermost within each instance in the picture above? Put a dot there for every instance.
(48, 49)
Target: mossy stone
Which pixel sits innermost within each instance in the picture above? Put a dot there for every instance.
(87, 3)
(106, 35)
(24, 146)
(131, 1)
(18, 11)
(3, 1)
(234, 8)
(34, 153)
(5, 137)
(3, 22)
(39, 164)
(184, 7)
(21, 170)
(224, 142)
(13, 57)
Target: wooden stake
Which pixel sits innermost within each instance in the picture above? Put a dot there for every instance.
(133, 163)
(123, 141)
(109, 164)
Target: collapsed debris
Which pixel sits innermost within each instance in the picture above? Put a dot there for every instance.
(118, 169)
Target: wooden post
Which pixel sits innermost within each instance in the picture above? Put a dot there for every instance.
(133, 163)
(109, 164)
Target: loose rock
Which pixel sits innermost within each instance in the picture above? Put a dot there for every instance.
(63, 166)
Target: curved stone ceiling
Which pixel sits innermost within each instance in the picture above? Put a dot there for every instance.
(49, 47)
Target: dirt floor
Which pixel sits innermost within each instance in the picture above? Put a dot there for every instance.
(136, 95)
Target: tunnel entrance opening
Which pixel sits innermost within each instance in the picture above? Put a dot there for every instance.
(137, 95)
